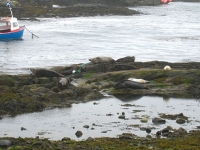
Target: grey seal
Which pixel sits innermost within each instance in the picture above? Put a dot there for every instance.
(98, 60)
(45, 73)
(129, 84)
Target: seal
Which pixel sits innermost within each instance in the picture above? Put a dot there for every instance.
(129, 84)
(45, 73)
(98, 60)
(62, 82)
(138, 80)
(126, 59)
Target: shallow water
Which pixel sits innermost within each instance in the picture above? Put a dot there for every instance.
(166, 33)
(58, 123)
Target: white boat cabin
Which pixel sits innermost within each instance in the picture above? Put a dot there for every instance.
(8, 24)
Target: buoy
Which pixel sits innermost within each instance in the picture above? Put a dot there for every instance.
(165, 1)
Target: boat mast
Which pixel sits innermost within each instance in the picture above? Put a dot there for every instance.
(8, 4)
(11, 11)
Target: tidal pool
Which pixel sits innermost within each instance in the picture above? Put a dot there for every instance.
(102, 118)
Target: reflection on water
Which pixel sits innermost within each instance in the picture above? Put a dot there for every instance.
(102, 118)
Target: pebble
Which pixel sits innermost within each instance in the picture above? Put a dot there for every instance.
(121, 117)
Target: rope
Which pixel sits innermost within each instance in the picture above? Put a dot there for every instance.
(78, 70)
(31, 33)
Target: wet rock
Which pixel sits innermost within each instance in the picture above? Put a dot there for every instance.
(148, 130)
(5, 143)
(165, 132)
(158, 133)
(121, 117)
(119, 67)
(22, 128)
(182, 131)
(78, 134)
(180, 121)
(86, 126)
(66, 139)
(158, 121)
(144, 120)
(90, 139)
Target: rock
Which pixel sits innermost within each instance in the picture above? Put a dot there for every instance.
(119, 67)
(86, 126)
(182, 131)
(90, 139)
(121, 117)
(126, 59)
(144, 120)
(5, 143)
(180, 121)
(148, 130)
(103, 131)
(66, 139)
(22, 128)
(78, 134)
(158, 121)
(98, 60)
(158, 133)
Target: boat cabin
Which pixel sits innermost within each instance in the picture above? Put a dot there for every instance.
(8, 24)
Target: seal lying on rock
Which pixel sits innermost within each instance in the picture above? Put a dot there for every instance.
(62, 82)
(45, 73)
(138, 80)
(98, 60)
(126, 59)
(129, 84)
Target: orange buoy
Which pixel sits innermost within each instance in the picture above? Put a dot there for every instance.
(165, 1)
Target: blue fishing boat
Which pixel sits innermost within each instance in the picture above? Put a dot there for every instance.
(9, 27)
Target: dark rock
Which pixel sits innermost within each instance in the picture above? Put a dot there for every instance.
(22, 128)
(158, 121)
(90, 139)
(119, 67)
(5, 143)
(182, 131)
(78, 134)
(148, 130)
(66, 139)
(158, 133)
(86, 126)
(180, 121)
(121, 117)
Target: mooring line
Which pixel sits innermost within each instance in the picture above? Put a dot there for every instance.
(31, 33)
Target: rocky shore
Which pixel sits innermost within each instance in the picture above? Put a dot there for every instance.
(40, 90)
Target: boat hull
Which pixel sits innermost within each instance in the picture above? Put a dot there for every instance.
(13, 34)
